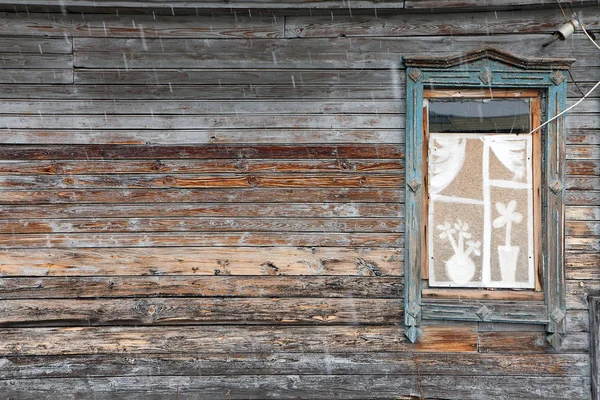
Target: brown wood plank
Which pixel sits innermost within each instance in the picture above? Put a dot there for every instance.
(232, 339)
(204, 261)
(165, 311)
(202, 224)
(275, 195)
(291, 210)
(48, 167)
(111, 152)
(581, 265)
(200, 286)
(583, 228)
(585, 167)
(207, 364)
(580, 198)
(582, 243)
(212, 136)
(157, 181)
(530, 342)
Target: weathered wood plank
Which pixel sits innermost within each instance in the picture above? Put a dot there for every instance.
(139, 25)
(164, 91)
(210, 4)
(581, 265)
(595, 345)
(585, 167)
(309, 53)
(197, 166)
(588, 152)
(187, 107)
(582, 243)
(165, 311)
(578, 293)
(111, 152)
(223, 76)
(200, 286)
(233, 339)
(486, 23)
(212, 136)
(185, 181)
(294, 387)
(206, 364)
(530, 342)
(582, 183)
(579, 198)
(203, 261)
(582, 228)
(291, 210)
(45, 61)
(35, 45)
(203, 122)
(202, 224)
(16, 76)
(199, 239)
(473, 4)
(275, 195)
(591, 213)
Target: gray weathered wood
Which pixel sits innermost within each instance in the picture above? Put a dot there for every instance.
(595, 345)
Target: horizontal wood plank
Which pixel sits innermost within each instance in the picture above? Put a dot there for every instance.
(164, 311)
(293, 387)
(43, 76)
(206, 364)
(275, 195)
(232, 339)
(205, 261)
(128, 286)
(291, 210)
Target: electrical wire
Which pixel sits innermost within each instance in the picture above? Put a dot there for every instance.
(585, 96)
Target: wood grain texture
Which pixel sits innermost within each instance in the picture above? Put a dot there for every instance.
(232, 339)
(294, 386)
(188, 311)
(595, 345)
(201, 261)
(140, 286)
(284, 363)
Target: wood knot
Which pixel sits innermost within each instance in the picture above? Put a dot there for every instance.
(156, 166)
(269, 268)
(252, 181)
(69, 181)
(367, 267)
(169, 180)
(151, 309)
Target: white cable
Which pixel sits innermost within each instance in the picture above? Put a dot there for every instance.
(568, 109)
(580, 100)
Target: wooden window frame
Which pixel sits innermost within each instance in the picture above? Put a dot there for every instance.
(487, 73)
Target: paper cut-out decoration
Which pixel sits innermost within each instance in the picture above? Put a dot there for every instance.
(460, 267)
(507, 254)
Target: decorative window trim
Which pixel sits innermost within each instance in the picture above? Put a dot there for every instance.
(489, 68)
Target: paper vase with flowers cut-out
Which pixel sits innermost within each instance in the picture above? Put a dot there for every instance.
(480, 210)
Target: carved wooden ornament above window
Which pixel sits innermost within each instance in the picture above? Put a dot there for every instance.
(485, 190)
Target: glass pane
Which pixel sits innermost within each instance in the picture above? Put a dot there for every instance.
(479, 115)
(480, 210)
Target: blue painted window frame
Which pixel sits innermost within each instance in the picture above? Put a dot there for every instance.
(489, 68)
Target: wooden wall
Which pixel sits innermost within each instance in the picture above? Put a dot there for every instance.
(210, 206)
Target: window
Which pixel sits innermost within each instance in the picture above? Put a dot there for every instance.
(485, 190)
